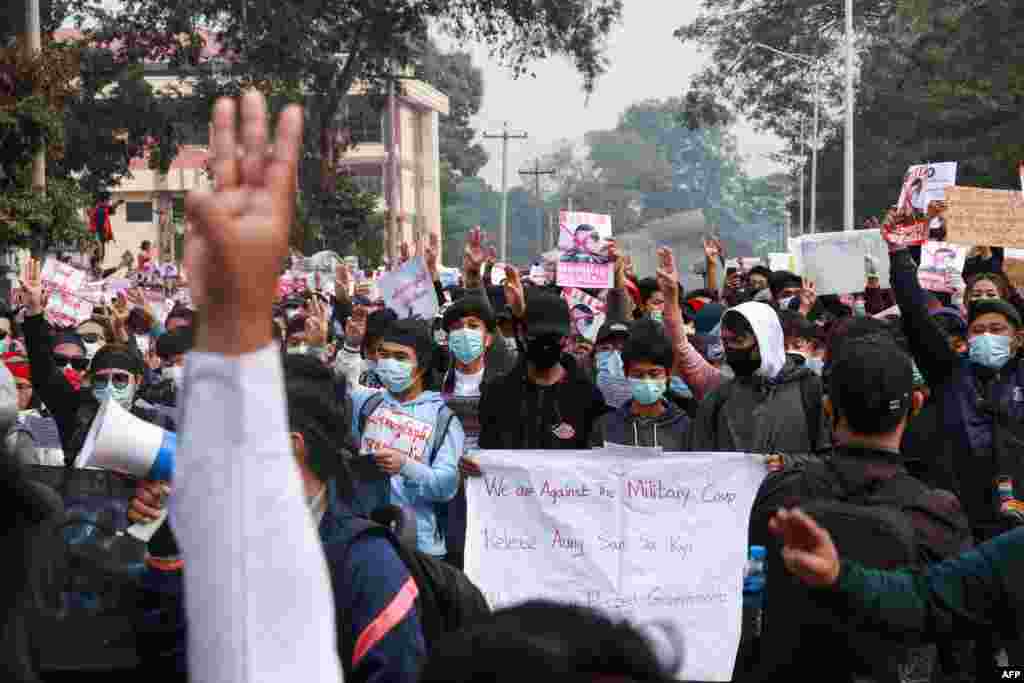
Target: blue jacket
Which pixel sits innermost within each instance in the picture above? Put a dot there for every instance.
(419, 485)
(372, 588)
(970, 446)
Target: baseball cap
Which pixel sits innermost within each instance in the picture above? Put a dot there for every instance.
(612, 329)
(871, 383)
(983, 306)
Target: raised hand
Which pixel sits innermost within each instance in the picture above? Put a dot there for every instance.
(808, 296)
(240, 229)
(32, 287)
(473, 255)
(515, 297)
(342, 280)
(316, 323)
(668, 276)
(403, 252)
(430, 256)
(809, 552)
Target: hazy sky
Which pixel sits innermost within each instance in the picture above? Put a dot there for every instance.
(646, 62)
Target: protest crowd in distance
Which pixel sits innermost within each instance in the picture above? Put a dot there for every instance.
(264, 466)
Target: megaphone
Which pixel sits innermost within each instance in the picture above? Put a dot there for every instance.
(120, 442)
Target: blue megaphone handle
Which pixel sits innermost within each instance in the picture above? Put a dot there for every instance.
(163, 466)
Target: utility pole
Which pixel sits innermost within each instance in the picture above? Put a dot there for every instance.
(848, 137)
(537, 173)
(504, 136)
(33, 45)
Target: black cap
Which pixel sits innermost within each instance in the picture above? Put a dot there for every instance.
(612, 329)
(546, 314)
(473, 305)
(871, 383)
(783, 279)
(1004, 308)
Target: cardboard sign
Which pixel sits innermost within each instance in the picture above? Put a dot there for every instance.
(941, 262)
(991, 218)
(387, 427)
(409, 291)
(586, 313)
(583, 242)
(633, 533)
(925, 183)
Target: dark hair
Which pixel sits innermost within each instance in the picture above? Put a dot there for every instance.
(175, 343)
(736, 322)
(795, 326)
(702, 294)
(543, 641)
(376, 324)
(647, 286)
(998, 279)
(417, 335)
(647, 342)
(119, 357)
(764, 271)
(472, 305)
(315, 411)
(783, 279)
(146, 244)
(870, 384)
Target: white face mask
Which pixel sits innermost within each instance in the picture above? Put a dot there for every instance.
(176, 373)
(91, 349)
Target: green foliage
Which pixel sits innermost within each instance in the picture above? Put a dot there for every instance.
(32, 219)
(333, 221)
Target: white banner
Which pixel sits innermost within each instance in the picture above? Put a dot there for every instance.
(641, 536)
(409, 291)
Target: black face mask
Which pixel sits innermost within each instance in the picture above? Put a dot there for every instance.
(544, 352)
(743, 362)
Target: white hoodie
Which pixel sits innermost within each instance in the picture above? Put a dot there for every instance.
(770, 340)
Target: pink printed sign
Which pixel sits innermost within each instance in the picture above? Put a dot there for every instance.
(58, 276)
(583, 243)
(389, 428)
(65, 309)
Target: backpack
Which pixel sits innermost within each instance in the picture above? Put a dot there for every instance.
(448, 601)
(437, 437)
(811, 396)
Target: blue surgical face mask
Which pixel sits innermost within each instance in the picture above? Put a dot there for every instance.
(680, 388)
(815, 365)
(610, 363)
(990, 350)
(647, 391)
(785, 303)
(467, 345)
(122, 396)
(395, 375)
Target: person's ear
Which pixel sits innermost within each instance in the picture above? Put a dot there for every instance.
(298, 447)
(488, 339)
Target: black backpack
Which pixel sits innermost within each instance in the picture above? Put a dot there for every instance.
(448, 601)
(437, 437)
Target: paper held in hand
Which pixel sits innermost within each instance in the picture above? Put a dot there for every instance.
(649, 537)
(583, 243)
(991, 218)
(409, 291)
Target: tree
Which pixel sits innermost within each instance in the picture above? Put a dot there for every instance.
(344, 42)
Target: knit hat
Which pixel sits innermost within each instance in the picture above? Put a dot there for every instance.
(546, 314)
(1004, 308)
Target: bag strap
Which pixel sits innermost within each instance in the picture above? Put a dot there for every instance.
(811, 393)
(368, 408)
(442, 424)
(364, 528)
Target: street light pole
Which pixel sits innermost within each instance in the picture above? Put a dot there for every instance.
(848, 141)
(33, 45)
(505, 136)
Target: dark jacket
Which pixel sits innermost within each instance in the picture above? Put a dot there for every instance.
(980, 412)
(668, 431)
(868, 478)
(73, 410)
(365, 584)
(977, 592)
(515, 413)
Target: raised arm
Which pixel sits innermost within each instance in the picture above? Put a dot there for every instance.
(257, 591)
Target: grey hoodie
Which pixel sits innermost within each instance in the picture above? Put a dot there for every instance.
(763, 413)
(670, 431)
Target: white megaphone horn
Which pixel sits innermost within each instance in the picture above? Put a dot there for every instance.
(120, 442)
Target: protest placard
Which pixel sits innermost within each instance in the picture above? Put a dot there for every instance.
(912, 233)
(57, 276)
(94, 292)
(583, 242)
(498, 274)
(991, 218)
(940, 262)
(782, 261)
(840, 262)
(586, 312)
(66, 309)
(409, 291)
(925, 183)
(388, 427)
(659, 538)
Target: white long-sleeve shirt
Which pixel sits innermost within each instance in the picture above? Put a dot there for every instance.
(257, 592)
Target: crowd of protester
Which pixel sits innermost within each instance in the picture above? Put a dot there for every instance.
(917, 413)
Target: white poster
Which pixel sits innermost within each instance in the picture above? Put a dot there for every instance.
(940, 263)
(643, 538)
(390, 428)
(583, 243)
(586, 313)
(781, 261)
(409, 291)
(840, 262)
(926, 183)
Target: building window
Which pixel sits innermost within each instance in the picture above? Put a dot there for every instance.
(139, 212)
(363, 119)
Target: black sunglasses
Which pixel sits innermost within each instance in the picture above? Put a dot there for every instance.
(88, 338)
(78, 363)
(119, 379)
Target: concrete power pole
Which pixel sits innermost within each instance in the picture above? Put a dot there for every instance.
(504, 136)
(32, 46)
(537, 173)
